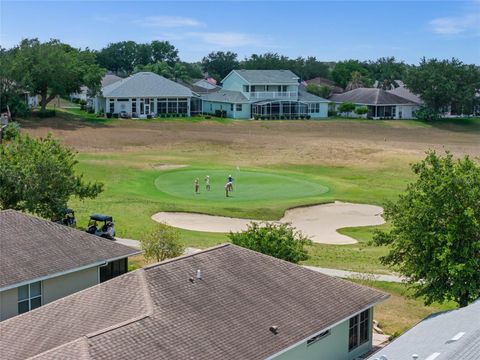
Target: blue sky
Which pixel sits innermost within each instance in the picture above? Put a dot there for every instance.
(329, 30)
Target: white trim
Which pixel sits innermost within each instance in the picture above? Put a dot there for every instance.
(322, 330)
(65, 272)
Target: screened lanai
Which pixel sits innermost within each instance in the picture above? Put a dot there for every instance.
(279, 107)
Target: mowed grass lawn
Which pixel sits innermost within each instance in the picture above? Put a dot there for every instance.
(136, 188)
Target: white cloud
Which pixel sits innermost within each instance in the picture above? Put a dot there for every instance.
(457, 25)
(227, 39)
(168, 22)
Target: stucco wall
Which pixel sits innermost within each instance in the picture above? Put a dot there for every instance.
(331, 347)
(61, 286)
(8, 304)
(407, 111)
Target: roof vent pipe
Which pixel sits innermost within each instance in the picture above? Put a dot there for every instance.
(414, 356)
(199, 274)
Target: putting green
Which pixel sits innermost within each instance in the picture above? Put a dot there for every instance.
(249, 185)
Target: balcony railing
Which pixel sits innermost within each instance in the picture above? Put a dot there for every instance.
(282, 95)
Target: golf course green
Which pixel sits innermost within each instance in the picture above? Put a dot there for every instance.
(249, 185)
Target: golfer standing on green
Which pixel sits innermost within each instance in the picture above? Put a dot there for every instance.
(197, 186)
(207, 183)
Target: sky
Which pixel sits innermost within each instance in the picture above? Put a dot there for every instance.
(328, 30)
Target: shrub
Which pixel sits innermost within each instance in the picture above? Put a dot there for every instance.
(308, 117)
(82, 102)
(149, 116)
(346, 107)
(427, 114)
(278, 240)
(91, 111)
(256, 117)
(161, 244)
(361, 110)
(115, 115)
(332, 112)
(109, 115)
(83, 107)
(11, 131)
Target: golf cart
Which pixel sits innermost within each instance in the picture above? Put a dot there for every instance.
(68, 218)
(107, 230)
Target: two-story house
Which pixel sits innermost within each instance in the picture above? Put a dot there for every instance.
(264, 94)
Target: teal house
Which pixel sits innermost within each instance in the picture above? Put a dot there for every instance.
(264, 94)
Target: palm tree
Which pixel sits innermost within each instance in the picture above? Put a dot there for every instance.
(355, 81)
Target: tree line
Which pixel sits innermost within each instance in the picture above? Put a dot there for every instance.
(52, 68)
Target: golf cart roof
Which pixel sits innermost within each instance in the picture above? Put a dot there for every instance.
(100, 217)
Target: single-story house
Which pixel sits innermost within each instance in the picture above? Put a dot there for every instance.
(449, 335)
(320, 81)
(264, 94)
(225, 302)
(143, 94)
(41, 261)
(381, 103)
(106, 80)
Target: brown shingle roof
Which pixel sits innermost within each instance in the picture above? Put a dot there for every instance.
(161, 314)
(32, 248)
(369, 96)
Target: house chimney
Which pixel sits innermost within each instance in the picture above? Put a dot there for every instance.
(199, 274)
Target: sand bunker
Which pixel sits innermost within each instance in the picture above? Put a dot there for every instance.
(168, 166)
(319, 222)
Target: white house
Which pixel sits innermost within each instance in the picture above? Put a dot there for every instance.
(142, 94)
(381, 104)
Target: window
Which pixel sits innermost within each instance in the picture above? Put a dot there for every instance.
(318, 337)
(182, 106)
(113, 269)
(29, 297)
(112, 106)
(238, 107)
(162, 106)
(134, 105)
(231, 107)
(246, 88)
(122, 99)
(172, 106)
(359, 330)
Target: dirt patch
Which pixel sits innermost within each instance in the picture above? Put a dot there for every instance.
(319, 222)
(261, 143)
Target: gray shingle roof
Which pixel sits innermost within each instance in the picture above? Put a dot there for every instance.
(369, 96)
(274, 77)
(110, 79)
(307, 97)
(33, 248)
(146, 84)
(164, 312)
(435, 335)
(227, 96)
(404, 92)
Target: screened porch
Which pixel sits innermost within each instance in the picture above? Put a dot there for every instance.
(280, 108)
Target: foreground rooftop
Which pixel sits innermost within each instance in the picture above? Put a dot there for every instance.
(169, 311)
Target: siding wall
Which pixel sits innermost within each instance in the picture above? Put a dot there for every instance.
(234, 82)
(61, 286)
(8, 304)
(323, 111)
(210, 107)
(332, 347)
(52, 289)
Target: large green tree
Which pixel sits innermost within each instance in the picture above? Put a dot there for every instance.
(52, 68)
(38, 176)
(434, 238)
(386, 71)
(278, 240)
(442, 83)
(342, 73)
(219, 64)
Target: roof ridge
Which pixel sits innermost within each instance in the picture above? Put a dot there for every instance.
(82, 340)
(182, 257)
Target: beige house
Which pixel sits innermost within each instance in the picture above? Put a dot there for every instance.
(41, 261)
(225, 302)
